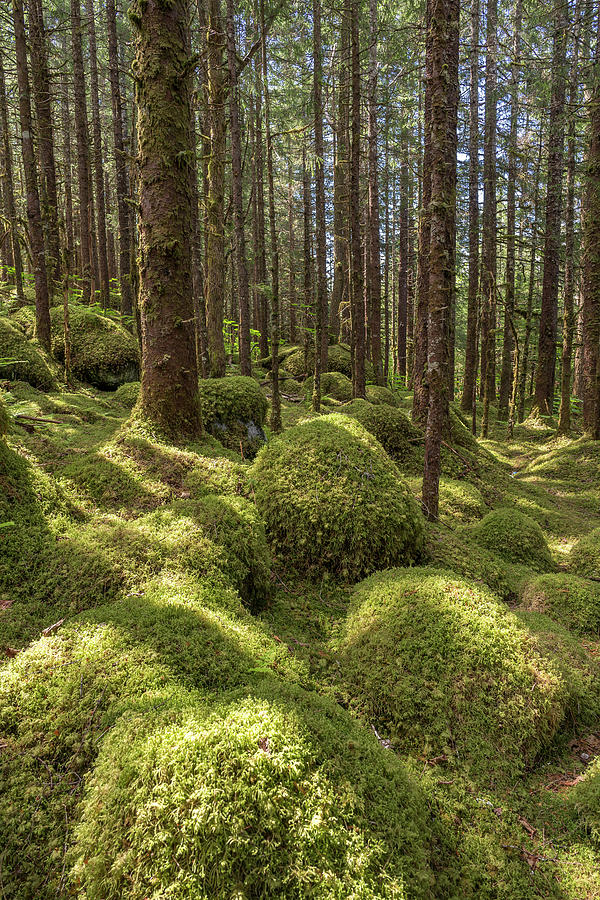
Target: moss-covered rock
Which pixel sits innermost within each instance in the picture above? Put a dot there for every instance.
(584, 558)
(271, 794)
(234, 411)
(103, 352)
(515, 537)
(568, 599)
(402, 440)
(127, 394)
(378, 394)
(444, 668)
(22, 360)
(333, 384)
(338, 360)
(332, 499)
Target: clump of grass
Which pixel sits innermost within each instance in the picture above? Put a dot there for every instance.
(333, 501)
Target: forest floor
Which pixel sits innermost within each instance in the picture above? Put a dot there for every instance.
(91, 537)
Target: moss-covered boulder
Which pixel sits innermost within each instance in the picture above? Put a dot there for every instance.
(338, 360)
(515, 537)
(378, 394)
(584, 558)
(568, 599)
(127, 394)
(103, 352)
(402, 440)
(333, 384)
(276, 793)
(333, 500)
(234, 410)
(445, 668)
(446, 549)
(22, 360)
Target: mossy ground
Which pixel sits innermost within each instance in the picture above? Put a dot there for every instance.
(164, 689)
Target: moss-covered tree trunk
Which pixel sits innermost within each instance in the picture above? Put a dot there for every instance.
(489, 224)
(162, 72)
(104, 282)
(374, 249)
(358, 310)
(442, 51)
(9, 191)
(83, 155)
(34, 213)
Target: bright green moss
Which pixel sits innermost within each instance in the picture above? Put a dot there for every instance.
(568, 599)
(308, 806)
(445, 549)
(128, 394)
(5, 419)
(332, 500)
(22, 360)
(103, 352)
(586, 799)
(338, 360)
(378, 394)
(234, 410)
(333, 384)
(585, 555)
(460, 502)
(402, 440)
(515, 537)
(443, 667)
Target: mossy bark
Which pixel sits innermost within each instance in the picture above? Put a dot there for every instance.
(162, 71)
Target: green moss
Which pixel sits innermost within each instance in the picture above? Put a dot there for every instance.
(338, 360)
(234, 410)
(445, 549)
(378, 394)
(584, 559)
(444, 668)
(460, 502)
(308, 805)
(586, 799)
(103, 352)
(128, 394)
(22, 360)
(333, 384)
(515, 537)
(402, 440)
(332, 500)
(568, 599)
(5, 419)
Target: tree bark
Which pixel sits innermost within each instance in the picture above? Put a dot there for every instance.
(321, 335)
(162, 72)
(358, 313)
(374, 249)
(9, 191)
(83, 158)
(98, 160)
(442, 50)
(34, 214)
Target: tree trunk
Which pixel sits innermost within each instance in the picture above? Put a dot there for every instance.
(162, 71)
(374, 249)
(402, 317)
(98, 161)
(469, 390)
(40, 80)
(321, 335)
(83, 159)
(506, 375)
(357, 307)
(260, 247)
(341, 274)
(307, 254)
(488, 246)
(34, 214)
(544, 382)
(292, 250)
(9, 191)
(238, 198)
(442, 50)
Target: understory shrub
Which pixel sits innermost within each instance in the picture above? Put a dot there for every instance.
(272, 793)
(103, 352)
(584, 559)
(515, 537)
(333, 384)
(568, 599)
(234, 410)
(333, 500)
(445, 668)
(22, 360)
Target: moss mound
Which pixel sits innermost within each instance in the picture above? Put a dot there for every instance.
(234, 411)
(103, 352)
(447, 669)
(378, 394)
(586, 798)
(338, 360)
(515, 537)
(460, 501)
(402, 440)
(5, 419)
(568, 599)
(21, 360)
(308, 805)
(332, 500)
(333, 384)
(584, 559)
(127, 394)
